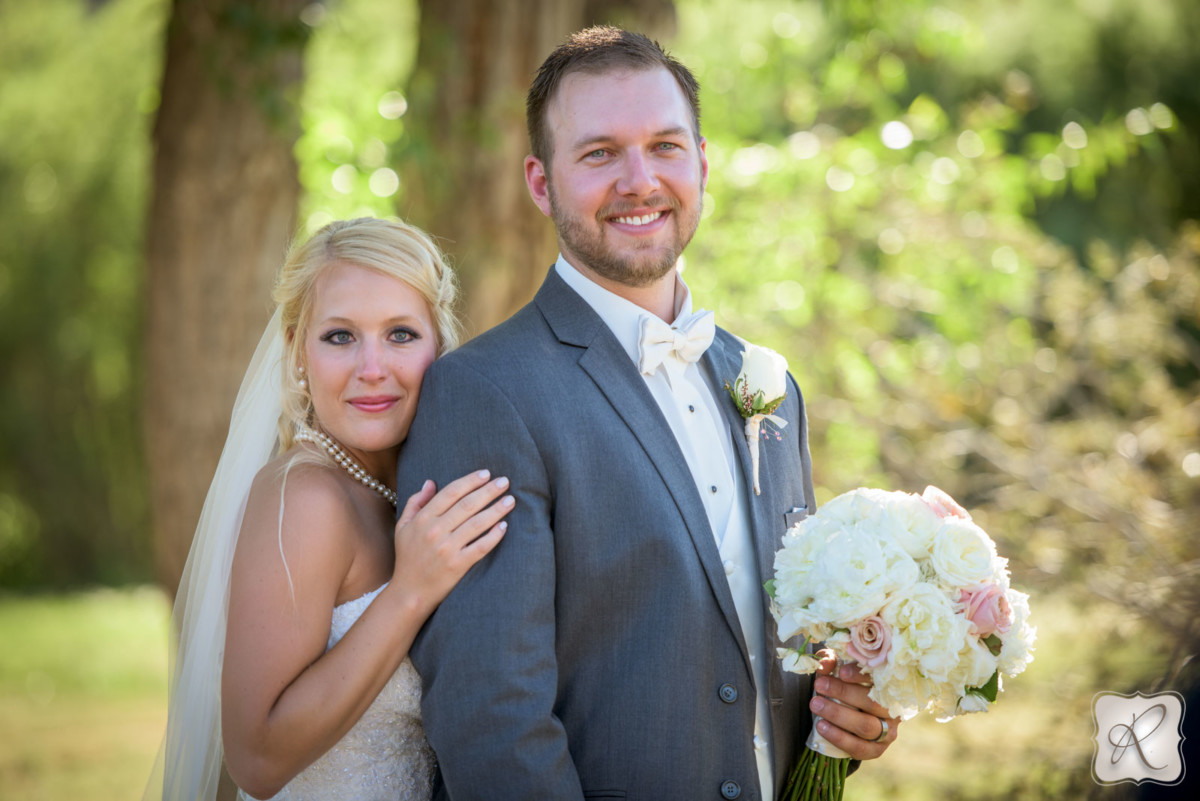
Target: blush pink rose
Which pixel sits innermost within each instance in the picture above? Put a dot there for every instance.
(870, 641)
(942, 504)
(987, 608)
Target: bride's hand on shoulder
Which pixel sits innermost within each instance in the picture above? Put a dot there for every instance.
(441, 534)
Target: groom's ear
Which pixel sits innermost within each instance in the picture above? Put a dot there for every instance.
(537, 179)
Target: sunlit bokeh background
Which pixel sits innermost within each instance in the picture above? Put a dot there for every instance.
(973, 229)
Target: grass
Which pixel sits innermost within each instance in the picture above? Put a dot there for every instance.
(82, 693)
(83, 705)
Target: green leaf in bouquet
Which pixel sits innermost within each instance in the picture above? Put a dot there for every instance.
(993, 644)
(989, 690)
(769, 586)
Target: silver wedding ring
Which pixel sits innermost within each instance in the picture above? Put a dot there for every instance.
(883, 732)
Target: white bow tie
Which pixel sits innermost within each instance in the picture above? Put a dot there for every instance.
(687, 339)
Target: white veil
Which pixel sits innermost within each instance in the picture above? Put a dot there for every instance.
(189, 762)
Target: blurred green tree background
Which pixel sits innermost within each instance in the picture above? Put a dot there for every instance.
(972, 228)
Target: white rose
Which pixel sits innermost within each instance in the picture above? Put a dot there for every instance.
(795, 662)
(764, 371)
(971, 702)
(963, 554)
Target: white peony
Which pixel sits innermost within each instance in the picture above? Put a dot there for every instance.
(1016, 650)
(926, 632)
(856, 572)
(962, 553)
(902, 690)
(910, 523)
(976, 664)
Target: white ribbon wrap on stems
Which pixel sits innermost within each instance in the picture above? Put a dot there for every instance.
(753, 426)
(816, 742)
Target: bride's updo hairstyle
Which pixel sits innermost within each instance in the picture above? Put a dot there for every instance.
(390, 247)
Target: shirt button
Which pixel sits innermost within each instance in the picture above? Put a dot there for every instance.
(691, 408)
(730, 790)
(713, 489)
(759, 743)
(728, 693)
(729, 566)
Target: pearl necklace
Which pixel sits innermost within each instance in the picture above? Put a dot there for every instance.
(348, 463)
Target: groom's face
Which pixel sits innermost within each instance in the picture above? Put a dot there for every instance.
(627, 178)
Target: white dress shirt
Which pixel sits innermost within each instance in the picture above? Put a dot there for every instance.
(691, 410)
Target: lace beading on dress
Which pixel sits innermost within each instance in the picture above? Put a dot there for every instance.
(385, 755)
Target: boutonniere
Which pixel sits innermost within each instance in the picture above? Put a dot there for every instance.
(757, 392)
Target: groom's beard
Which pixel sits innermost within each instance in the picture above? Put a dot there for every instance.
(640, 265)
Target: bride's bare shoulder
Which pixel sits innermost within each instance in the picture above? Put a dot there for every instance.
(299, 495)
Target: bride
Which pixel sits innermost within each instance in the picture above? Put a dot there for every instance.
(302, 593)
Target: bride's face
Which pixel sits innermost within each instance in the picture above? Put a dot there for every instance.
(370, 339)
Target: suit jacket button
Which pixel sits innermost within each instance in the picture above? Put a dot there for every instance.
(731, 790)
(728, 693)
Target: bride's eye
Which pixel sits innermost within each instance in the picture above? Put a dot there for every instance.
(338, 336)
(403, 335)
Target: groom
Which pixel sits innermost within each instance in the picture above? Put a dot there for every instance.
(617, 644)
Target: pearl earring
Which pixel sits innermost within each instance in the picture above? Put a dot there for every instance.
(303, 383)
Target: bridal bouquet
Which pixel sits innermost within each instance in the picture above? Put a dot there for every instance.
(911, 589)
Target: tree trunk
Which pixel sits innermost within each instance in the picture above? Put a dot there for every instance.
(463, 166)
(223, 211)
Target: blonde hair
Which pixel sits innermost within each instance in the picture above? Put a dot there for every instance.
(390, 247)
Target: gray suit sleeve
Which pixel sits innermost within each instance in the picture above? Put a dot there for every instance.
(487, 655)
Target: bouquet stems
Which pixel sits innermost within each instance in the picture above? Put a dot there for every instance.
(817, 777)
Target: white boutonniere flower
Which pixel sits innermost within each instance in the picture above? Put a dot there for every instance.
(757, 392)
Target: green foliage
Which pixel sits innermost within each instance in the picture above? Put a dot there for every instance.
(75, 105)
(353, 109)
(918, 236)
(988, 691)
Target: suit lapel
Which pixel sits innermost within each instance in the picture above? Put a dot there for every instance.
(575, 323)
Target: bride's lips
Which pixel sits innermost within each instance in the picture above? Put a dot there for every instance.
(374, 403)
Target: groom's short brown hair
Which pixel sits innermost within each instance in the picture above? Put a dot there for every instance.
(596, 50)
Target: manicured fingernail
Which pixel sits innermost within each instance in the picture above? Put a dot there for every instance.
(822, 727)
(502, 482)
(428, 483)
(507, 500)
(484, 474)
(822, 684)
(817, 705)
(503, 526)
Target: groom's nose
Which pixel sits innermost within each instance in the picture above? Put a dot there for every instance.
(637, 175)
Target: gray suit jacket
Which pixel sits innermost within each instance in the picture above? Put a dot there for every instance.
(596, 653)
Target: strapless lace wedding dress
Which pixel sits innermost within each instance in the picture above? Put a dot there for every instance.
(385, 755)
